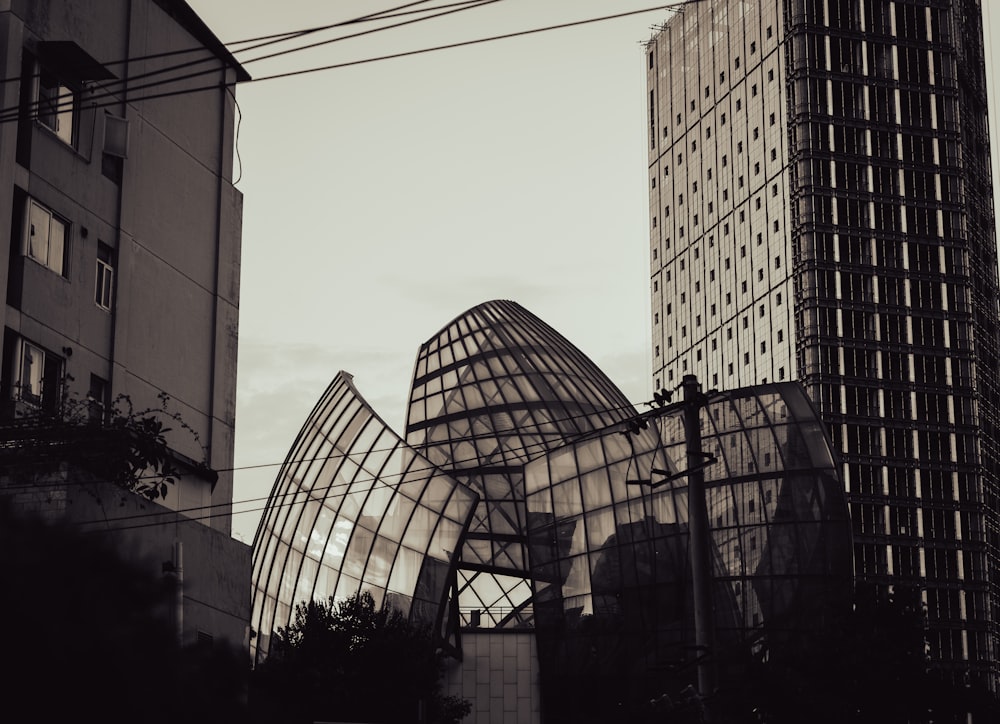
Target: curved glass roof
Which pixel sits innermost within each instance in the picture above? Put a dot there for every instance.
(610, 559)
(493, 389)
(355, 509)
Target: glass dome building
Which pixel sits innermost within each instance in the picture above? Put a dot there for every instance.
(541, 524)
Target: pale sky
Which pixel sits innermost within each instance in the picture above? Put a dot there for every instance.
(384, 199)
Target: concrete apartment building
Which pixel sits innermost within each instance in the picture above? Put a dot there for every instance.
(821, 210)
(122, 276)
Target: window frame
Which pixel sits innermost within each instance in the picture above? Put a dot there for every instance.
(29, 249)
(24, 392)
(56, 105)
(104, 280)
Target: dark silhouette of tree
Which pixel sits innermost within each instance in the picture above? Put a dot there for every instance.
(87, 639)
(869, 668)
(352, 661)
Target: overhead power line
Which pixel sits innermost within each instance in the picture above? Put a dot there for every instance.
(8, 115)
(112, 90)
(386, 480)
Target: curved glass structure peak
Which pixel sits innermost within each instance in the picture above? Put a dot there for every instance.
(493, 389)
(355, 509)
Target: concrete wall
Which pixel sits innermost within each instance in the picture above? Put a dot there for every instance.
(499, 675)
(216, 568)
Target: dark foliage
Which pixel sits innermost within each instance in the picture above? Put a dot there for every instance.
(117, 444)
(87, 640)
(869, 668)
(352, 661)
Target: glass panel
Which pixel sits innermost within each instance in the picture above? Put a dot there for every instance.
(57, 239)
(38, 232)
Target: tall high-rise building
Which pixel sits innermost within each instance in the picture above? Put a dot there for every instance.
(821, 210)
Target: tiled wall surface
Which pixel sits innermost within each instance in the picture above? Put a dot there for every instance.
(499, 675)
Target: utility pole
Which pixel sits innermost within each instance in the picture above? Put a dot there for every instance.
(699, 546)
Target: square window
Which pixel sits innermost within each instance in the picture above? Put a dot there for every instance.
(725, 160)
(760, 238)
(770, 76)
(723, 119)
(753, 90)
(770, 31)
(678, 119)
(694, 145)
(706, 91)
(771, 119)
(777, 299)
(743, 287)
(774, 189)
(753, 46)
(737, 61)
(739, 147)
(692, 105)
(777, 262)
(709, 174)
(774, 154)
(760, 275)
(743, 251)
(694, 186)
(45, 238)
(756, 133)
(729, 332)
(739, 104)
(757, 202)
(756, 168)
(781, 373)
(781, 335)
